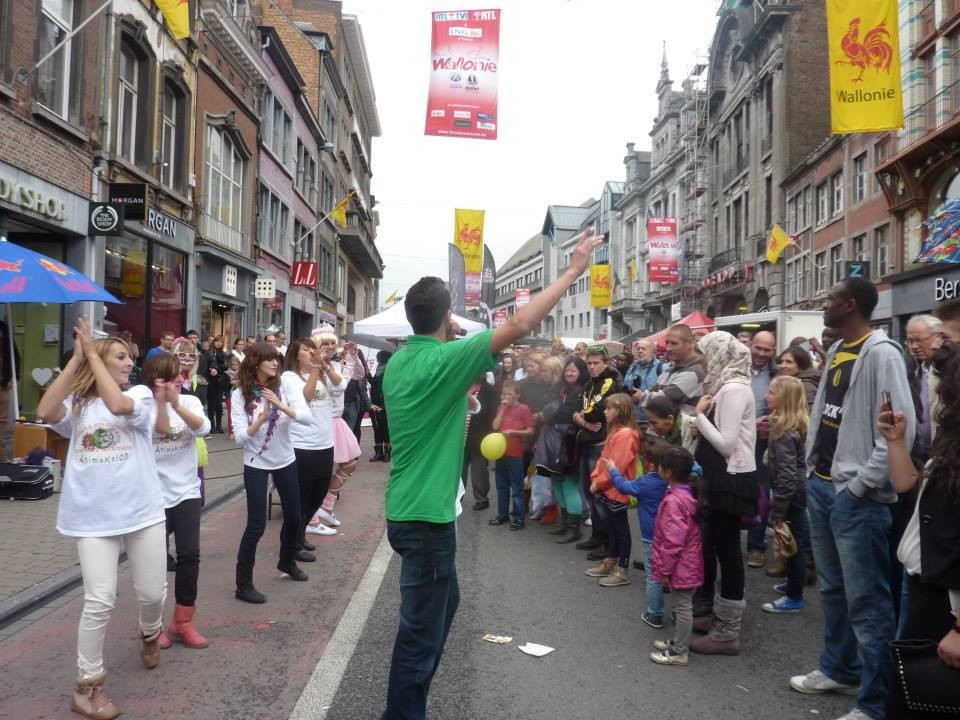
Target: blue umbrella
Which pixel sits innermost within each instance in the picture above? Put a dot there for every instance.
(27, 276)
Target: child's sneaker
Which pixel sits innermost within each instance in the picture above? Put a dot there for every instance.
(784, 606)
(654, 621)
(669, 657)
(661, 645)
(496, 520)
(780, 588)
(516, 524)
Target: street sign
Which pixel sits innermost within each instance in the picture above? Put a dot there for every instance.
(305, 274)
(858, 269)
(106, 219)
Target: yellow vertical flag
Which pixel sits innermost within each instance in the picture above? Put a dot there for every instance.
(177, 15)
(390, 298)
(779, 241)
(864, 56)
(632, 269)
(600, 286)
(468, 237)
(339, 212)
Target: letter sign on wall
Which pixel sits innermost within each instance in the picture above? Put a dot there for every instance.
(858, 269)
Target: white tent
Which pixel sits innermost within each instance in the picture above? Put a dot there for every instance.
(392, 323)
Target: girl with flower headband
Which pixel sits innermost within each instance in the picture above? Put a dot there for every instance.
(262, 412)
(346, 449)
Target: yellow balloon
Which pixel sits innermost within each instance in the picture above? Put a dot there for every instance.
(493, 446)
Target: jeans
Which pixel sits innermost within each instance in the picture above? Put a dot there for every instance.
(314, 470)
(509, 474)
(757, 536)
(850, 544)
(617, 525)
(796, 518)
(99, 557)
(255, 485)
(429, 596)
(654, 588)
(589, 455)
(183, 520)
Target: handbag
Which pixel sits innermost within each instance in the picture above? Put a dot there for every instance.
(784, 543)
(927, 684)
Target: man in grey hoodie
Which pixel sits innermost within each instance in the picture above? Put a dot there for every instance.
(849, 496)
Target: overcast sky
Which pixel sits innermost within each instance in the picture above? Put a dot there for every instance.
(577, 82)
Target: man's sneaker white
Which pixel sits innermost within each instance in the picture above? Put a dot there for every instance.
(855, 714)
(816, 683)
(320, 529)
(328, 518)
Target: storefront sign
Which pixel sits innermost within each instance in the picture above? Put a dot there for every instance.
(106, 219)
(131, 195)
(305, 274)
(28, 198)
(857, 269)
(944, 289)
(162, 224)
(229, 280)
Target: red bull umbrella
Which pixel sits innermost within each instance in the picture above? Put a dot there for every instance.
(28, 277)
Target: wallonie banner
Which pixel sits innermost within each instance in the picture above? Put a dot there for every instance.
(463, 74)
(664, 249)
(600, 286)
(864, 49)
(468, 237)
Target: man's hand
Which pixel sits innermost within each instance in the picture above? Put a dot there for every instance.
(593, 427)
(637, 397)
(949, 649)
(582, 253)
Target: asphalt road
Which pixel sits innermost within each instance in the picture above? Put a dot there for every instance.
(524, 585)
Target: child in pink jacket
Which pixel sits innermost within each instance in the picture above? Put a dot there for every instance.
(677, 552)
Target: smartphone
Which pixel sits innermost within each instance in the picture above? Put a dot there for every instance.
(885, 398)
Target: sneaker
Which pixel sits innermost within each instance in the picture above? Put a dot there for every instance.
(661, 645)
(855, 714)
(516, 524)
(328, 517)
(756, 559)
(653, 621)
(496, 520)
(588, 522)
(320, 529)
(783, 606)
(816, 683)
(669, 657)
(780, 588)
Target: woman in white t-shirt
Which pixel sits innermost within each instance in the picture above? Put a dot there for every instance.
(110, 497)
(262, 411)
(310, 371)
(176, 456)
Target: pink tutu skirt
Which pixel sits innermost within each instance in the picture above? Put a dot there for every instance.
(345, 445)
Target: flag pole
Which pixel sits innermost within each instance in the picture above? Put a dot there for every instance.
(320, 221)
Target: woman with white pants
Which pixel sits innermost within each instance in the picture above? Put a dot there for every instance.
(110, 499)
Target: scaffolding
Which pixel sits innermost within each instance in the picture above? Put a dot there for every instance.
(693, 226)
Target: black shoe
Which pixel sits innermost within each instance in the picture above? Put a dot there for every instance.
(591, 543)
(171, 563)
(309, 547)
(599, 553)
(481, 505)
(304, 556)
(248, 593)
(497, 520)
(290, 568)
(638, 564)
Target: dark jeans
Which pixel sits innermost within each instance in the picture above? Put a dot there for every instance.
(721, 543)
(797, 565)
(255, 485)
(617, 526)
(183, 520)
(589, 454)
(509, 474)
(381, 430)
(475, 465)
(215, 404)
(429, 596)
(757, 536)
(314, 470)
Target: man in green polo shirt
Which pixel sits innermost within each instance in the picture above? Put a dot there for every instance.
(425, 386)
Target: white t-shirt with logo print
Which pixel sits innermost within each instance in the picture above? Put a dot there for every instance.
(110, 482)
(318, 435)
(270, 448)
(176, 454)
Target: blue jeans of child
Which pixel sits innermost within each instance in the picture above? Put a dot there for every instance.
(429, 596)
(654, 588)
(509, 475)
(796, 518)
(851, 547)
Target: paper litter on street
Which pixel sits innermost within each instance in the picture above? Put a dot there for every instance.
(535, 649)
(498, 639)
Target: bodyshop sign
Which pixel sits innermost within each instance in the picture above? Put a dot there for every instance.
(28, 198)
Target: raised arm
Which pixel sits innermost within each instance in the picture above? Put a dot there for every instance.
(51, 409)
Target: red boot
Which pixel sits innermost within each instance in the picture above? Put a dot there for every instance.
(182, 628)
(550, 515)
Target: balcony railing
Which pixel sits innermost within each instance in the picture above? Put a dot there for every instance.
(213, 229)
(932, 115)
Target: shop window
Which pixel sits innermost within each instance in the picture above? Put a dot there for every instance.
(173, 138)
(134, 99)
(125, 276)
(54, 79)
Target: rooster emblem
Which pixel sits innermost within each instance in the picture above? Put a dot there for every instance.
(876, 49)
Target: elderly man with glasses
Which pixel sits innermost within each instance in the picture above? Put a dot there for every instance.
(924, 338)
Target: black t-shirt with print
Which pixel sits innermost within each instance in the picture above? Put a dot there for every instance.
(837, 380)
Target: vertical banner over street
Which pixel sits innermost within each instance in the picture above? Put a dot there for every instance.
(468, 237)
(522, 298)
(600, 286)
(864, 58)
(455, 280)
(664, 249)
(488, 282)
(464, 55)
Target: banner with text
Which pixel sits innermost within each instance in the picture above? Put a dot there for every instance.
(864, 58)
(664, 249)
(600, 286)
(455, 280)
(488, 281)
(468, 237)
(522, 298)
(464, 55)
(499, 318)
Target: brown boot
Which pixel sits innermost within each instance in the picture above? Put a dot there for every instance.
(724, 635)
(603, 569)
(150, 650)
(91, 700)
(703, 624)
(618, 577)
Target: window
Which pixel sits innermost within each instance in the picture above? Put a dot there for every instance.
(306, 181)
(820, 274)
(836, 194)
(225, 170)
(326, 268)
(273, 220)
(860, 248)
(860, 178)
(53, 77)
(341, 280)
(133, 141)
(326, 194)
(768, 200)
(173, 140)
(276, 128)
(821, 203)
(302, 249)
(127, 102)
(793, 214)
(881, 251)
(836, 264)
(880, 154)
(806, 208)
